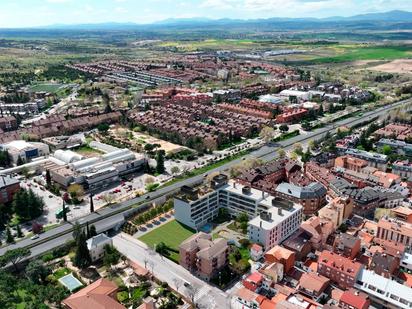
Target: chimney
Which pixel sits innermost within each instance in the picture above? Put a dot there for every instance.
(280, 211)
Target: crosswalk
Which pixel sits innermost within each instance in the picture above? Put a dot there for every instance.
(202, 292)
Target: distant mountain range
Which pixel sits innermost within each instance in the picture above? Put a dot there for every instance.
(385, 17)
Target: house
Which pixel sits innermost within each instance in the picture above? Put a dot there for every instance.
(96, 246)
(313, 285)
(272, 272)
(281, 255)
(256, 252)
(253, 282)
(353, 299)
(403, 213)
(8, 187)
(99, 295)
(202, 255)
(319, 230)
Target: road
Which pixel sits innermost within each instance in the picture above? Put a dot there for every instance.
(101, 218)
(205, 296)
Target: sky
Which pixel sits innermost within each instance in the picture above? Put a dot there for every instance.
(34, 13)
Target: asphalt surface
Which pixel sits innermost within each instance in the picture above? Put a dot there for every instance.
(103, 219)
(205, 295)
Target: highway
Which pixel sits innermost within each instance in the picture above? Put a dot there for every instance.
(109, 217)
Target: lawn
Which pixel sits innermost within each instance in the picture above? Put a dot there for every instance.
(172, 234)
(52, 88)
(61, 273)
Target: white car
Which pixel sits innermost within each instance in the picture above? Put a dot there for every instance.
(34, 237)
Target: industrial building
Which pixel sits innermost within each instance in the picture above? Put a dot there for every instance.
(26, 151)
(93, 173)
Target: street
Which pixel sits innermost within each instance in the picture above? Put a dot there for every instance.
(205, 296)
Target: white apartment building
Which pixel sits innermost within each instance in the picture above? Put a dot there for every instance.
(272, 227)
(195, 207)
(386, 292)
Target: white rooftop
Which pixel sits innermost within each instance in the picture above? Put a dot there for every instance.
(276, 216)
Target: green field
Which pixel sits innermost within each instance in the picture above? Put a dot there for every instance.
(52, 88)
(172, 234)
(350, 53)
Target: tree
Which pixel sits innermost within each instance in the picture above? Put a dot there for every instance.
(14, 256)
(19, 232)
(160, 161)
(9, 236)
(298, 148)
(37, 272)
(175, 170)
(103, 127)
(386, 150)
(82, 257)
(91, 203)
(282, 153)
(36, 227)
(48, 179)
(64, 212)
(76, 192)
(267, 134)
(111, 256)
(20, 161)
(92, 231)
(284, 128)
(161, 248)
(77, 230)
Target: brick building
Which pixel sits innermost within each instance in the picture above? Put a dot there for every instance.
(338, 269)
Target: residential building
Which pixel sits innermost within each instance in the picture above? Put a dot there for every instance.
(379, 161)
(8, 187)
(406, 261)
(253, 282)
(400, 147)
(291, 115)
(281, 255)
(202, 255)
(273, 272)
(338, 269)
(395, 230)
(313, 285)
(347, 245)
(353, 299)
(403, 169)
(403, 213)
(319, 231)
(384, 264)
(102, 294)
(272, 227)
(337, 211)
(395, 131)
(96, 246)
(299, 243)
(386, 292)
(318, 173)
(350, 163)
(8, 123)
(256, 252)
(195, 207)
(311, 197)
